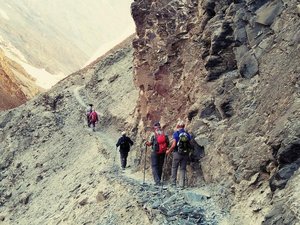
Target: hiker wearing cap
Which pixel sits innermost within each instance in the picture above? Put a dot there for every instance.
(179, 147)
(124, 142)
(159, 142)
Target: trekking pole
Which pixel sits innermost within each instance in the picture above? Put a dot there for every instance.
(145, 165)
(115, 158)
(163, 172)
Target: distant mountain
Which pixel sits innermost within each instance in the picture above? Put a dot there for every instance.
(61, 36)
(51, 39)
(16, 85)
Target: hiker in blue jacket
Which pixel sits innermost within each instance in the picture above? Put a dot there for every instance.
(180, 158)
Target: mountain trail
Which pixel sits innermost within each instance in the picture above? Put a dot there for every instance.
(163, 205)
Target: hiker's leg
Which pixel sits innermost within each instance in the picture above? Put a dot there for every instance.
(175, 164)
(161, 158)
(123, 160)
(183, 164)
(88, 121)
(154, 165)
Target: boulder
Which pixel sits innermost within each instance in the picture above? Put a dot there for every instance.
(268, 12)
(248, 66)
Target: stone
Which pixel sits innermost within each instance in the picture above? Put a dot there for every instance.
(268, 12)
(83, 202)
(25, 199)
(156, 204)
(2, 218)
(248, 66)
(253, 179)
(289, 154)
(210, 110)
(280, 179)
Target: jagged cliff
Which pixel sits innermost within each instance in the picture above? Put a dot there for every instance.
(230, 69)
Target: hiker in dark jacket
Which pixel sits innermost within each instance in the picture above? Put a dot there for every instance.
(159, 142)
(124, 142)
(178, 159)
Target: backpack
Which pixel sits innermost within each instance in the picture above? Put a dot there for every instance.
(183, 145)
(124, 144)
(93, 116)
(88, 112)
(161, 141)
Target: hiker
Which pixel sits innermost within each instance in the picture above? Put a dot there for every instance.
(124, 142)
(159, 142)
(93, 119)
(181, 148)
(88, 112)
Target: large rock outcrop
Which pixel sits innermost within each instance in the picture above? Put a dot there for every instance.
(230, 68)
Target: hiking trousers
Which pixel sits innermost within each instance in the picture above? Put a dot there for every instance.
(157, 163)
(88, 120)
(93, 125)
(179, 160)
(123, 155)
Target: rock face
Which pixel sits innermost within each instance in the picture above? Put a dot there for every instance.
(230, 69)
(16, 86)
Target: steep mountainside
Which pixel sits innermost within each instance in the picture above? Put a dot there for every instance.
(16, 85)
(231, 70)
(52, 167)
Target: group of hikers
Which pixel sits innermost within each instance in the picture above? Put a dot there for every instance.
(179, 146)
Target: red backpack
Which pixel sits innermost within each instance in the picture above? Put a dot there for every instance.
(162, 142)
(93, 117)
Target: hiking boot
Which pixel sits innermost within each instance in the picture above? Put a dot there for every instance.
(180, 188)
(173, 185)
(157, 183)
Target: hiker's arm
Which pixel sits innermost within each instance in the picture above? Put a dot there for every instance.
(150, 142)
(172, 147)
(130, 141)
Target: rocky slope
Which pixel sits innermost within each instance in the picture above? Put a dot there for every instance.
(17, 86)
(230, 69)
(52, 166)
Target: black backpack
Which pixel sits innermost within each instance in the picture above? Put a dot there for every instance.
(124, 144)
(184, 146)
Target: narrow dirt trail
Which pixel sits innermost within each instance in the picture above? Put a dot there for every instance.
(109, 142)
